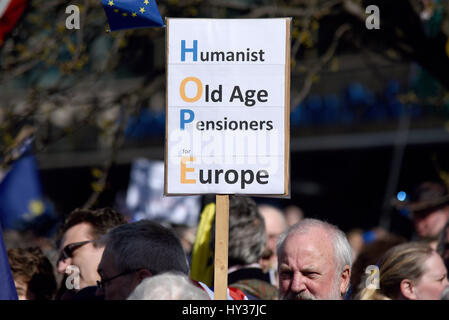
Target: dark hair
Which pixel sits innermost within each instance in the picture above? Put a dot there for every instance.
(102, 220)
(443, 244)
(247, 235)
(146, 244)
(32, 267)
(430, 196)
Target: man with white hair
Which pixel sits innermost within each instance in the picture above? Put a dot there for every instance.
(315, 261)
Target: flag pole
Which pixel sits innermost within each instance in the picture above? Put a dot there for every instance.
(221, 247)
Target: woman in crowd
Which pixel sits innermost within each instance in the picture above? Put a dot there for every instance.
(33, 274)
(410, 271)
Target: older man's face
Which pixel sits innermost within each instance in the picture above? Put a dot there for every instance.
(307, 268)
(117, 285)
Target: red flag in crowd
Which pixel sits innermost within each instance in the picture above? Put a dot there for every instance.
(10, 12)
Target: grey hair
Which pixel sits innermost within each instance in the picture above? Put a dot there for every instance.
(146, 244)
(168, 286)
(342, 248)
(247, 235)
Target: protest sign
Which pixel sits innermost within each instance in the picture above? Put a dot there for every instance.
(228, 115)
(227, 123)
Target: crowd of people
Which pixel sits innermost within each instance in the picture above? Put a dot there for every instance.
(273, 254)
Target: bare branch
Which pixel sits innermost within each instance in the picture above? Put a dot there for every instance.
(354, 9)
(119, 138)
(324, 60)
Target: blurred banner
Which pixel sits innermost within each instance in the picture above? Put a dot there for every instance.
(130, 14)
(202, 268)
(10, 12)
(146, 201)
(21, 198)
(7, 287)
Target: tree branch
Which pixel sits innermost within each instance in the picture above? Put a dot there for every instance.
(324, 60)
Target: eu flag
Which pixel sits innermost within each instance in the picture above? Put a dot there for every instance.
(7, 287)
(130, 14)
(21, 197)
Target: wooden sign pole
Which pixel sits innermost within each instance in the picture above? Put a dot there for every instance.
(221, 247)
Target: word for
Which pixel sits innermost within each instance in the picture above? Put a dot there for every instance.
(237, 309)
(187, 116)
(73, 20)
(230, 176)
(373, 20)
(221, 56)
(249, 97)
(372, 282)
(219, 148)
(73, 280)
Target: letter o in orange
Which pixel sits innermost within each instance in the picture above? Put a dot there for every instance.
(199, 89)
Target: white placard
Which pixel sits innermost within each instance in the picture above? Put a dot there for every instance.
(227, 126)
(145, 196)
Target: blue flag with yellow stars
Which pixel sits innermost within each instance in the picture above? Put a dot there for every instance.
(21, 197)
(130, 14)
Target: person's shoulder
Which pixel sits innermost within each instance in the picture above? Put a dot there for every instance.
(257, 289)
(87, 293)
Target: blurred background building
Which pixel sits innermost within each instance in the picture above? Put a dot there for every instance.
(369, 108)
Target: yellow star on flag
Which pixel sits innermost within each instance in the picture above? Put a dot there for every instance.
(111, 3)
(36, 207)
(134, 14)
(115, 10)
(146, 2)
(142, 10)
(125, 14)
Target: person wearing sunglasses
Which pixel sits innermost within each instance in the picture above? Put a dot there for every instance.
(134, 252)
(78, 245)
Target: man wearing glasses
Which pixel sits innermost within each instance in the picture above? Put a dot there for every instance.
(135, 251)
(78, 244)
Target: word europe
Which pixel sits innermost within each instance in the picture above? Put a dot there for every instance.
(229, 176)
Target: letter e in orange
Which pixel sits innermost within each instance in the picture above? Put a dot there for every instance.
(184, 169)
